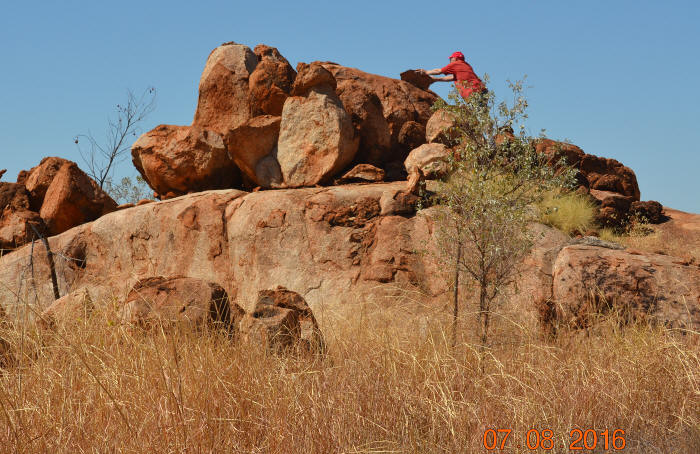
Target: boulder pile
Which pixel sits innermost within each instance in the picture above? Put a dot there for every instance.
(50, 198)
(612, 185)
(260, 123)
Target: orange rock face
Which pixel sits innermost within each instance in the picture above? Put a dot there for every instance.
(64, 195)
(252, 147)
(271, 82)
(176, 160)
(72, 199)
(591, 280)
(336, 246)
(224, 97)
(317, 139)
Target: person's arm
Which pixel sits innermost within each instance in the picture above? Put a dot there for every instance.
(432, 72)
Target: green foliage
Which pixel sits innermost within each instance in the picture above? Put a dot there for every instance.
(569, 212)
(485, 204)
(128, 190)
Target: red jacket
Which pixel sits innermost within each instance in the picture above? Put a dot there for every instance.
(466, 80)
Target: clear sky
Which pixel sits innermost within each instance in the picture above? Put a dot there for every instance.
(619, 78)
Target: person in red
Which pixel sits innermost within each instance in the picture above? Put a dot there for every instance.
(461, 72)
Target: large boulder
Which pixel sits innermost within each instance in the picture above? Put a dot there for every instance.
(613, 208)
(70, 308)
(589, 280)
(430, 158)
(400, 102)
(176, 160)
(606, 174)
(224, 97)
(282, 320)
(253, 147)
(271, 81)
(72, 199)
(182, 301)
(441, 128)
(317, 139)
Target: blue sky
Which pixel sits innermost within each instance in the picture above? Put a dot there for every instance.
(618, 78)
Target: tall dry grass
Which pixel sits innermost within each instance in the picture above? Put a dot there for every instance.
(390, 383)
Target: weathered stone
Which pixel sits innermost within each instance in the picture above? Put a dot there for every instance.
(417, 78)
(282, 320)
(614, 208)
(73, 307)
(312, 75)
(317, 139)
(271, 81)
(400, 102)
(430, 158)
(441, 128)
(411, 135)
(252, 146)
(16, 217)
(224, 98)
(649, 211)
(176, 160)
(72, 199)
(181, 301)
(589, 281)
(362, 173)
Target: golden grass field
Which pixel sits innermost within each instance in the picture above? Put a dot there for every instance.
(390, 383)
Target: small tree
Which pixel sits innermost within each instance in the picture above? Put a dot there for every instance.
(128, 190)
(485, 204)
(101, 157)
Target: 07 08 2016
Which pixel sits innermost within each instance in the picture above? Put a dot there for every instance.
(580, 439)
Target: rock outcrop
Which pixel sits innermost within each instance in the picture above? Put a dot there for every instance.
(380, 106)
(333, 246)
(16, 216)
(253, 147)
(441, 128)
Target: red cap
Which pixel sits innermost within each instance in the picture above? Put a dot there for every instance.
(458, 55)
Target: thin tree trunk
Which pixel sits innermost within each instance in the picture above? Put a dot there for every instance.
(455, 297)
(483, 314)
(49, 257)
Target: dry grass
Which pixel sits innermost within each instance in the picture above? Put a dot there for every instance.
(569, 212)
(389, 384)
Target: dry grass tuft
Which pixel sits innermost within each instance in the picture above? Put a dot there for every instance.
(569, 212)
(390, 383)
